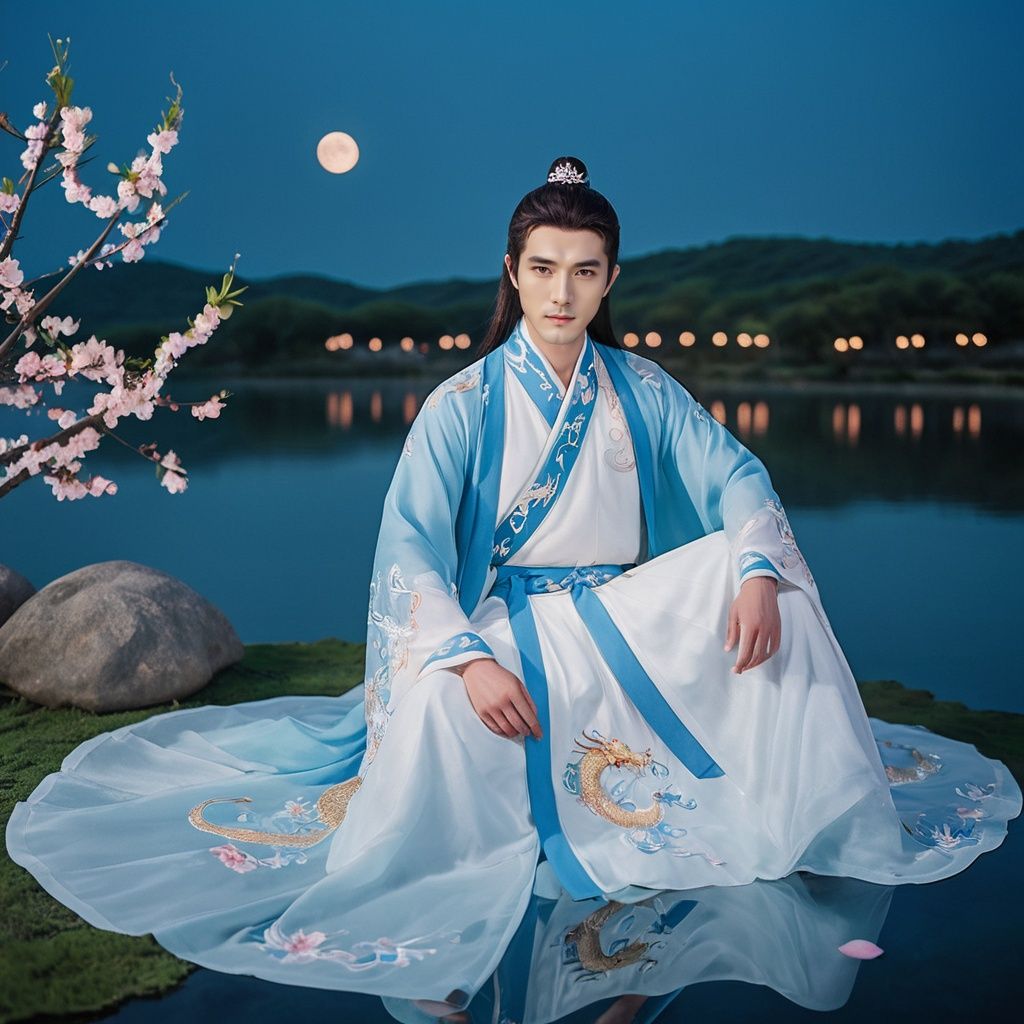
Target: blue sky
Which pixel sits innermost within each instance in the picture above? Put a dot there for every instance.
(867, 121)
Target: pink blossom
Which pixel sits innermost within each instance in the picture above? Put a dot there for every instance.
(11, 275)
(103, 206)
(129, 198)
(860, 949)
(39, 110)
(74, 190)
(97, 360)
(34, 133)
(9, 202)
(7, 443)
(209, 409)
(132, 252)
(163, 141)
(20, 397)
(56, 326)
(76, 117)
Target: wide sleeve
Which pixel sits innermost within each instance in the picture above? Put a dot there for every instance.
(415, 623)
(731, 490)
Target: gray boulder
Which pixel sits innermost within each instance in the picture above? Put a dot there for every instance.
(15, 590)
(114, 636)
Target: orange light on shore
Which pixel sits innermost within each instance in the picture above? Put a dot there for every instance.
(687, 338)
(345, 340)
(719, 338)
(840, 344)
(744, 340)
(761, 341)
(630, 339)
(446, 342)
(902, 341)
(375, 344)
(462, 341)
(979, 339)
(652, 339)
(407, 344)
(856, 341)
(917, 340)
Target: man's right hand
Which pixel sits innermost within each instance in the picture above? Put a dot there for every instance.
(500, 699)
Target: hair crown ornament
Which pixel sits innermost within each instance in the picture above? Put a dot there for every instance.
(568, 173)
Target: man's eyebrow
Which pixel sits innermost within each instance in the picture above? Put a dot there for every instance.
(551, 263)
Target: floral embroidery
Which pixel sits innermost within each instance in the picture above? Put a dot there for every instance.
(643, 368)
(465, 380)
(620, 454)
(971, 791)
(407, 447)
(645, 828)
(394, 627)
(240, 861)
(791, 554)
(306, 947)
(947, 833)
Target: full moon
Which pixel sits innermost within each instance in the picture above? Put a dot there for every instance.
(337, 152)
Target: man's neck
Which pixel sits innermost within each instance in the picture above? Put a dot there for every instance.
(561, 357)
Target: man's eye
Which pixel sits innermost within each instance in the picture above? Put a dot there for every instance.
(586, 270)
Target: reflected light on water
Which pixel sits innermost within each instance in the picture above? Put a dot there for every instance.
(410, 406)
(751, 419)
(846, 423)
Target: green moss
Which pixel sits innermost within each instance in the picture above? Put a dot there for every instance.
(52, 962)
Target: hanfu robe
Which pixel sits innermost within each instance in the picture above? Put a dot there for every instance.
(591, 539)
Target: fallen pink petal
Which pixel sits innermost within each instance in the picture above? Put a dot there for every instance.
(861, 949)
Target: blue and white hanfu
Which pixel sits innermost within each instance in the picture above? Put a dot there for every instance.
(591, 539)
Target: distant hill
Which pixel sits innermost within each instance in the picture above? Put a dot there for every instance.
(802, 292)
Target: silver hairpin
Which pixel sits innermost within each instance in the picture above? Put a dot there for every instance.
(567, 174)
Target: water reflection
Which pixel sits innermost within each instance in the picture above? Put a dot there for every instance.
(568, 955)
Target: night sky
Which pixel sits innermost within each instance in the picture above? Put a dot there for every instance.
(861, 121)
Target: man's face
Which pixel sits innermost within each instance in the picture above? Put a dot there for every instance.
(561, 272)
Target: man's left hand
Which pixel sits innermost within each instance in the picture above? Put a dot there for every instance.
(755, 622)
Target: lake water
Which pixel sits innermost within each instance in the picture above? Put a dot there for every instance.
(909, 508)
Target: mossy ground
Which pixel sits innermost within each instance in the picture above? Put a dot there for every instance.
(52, 963)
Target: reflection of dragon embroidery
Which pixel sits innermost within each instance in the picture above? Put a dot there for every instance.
(606, 754)
(331, 808)
(586, 938)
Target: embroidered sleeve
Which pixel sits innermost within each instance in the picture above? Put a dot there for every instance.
(414, 608)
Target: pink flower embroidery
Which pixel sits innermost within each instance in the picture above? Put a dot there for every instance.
(234, 858)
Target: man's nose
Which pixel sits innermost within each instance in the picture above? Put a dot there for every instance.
(562, 290)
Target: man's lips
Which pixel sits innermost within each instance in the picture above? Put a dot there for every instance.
(561, 319)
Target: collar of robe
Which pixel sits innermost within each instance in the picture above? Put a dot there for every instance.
(570, 424)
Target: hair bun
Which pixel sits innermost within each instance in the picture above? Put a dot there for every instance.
(568, 170)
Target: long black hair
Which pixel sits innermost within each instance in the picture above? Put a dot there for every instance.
(565, 201)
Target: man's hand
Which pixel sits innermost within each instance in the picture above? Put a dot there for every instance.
(499, 698)
(754, 620)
